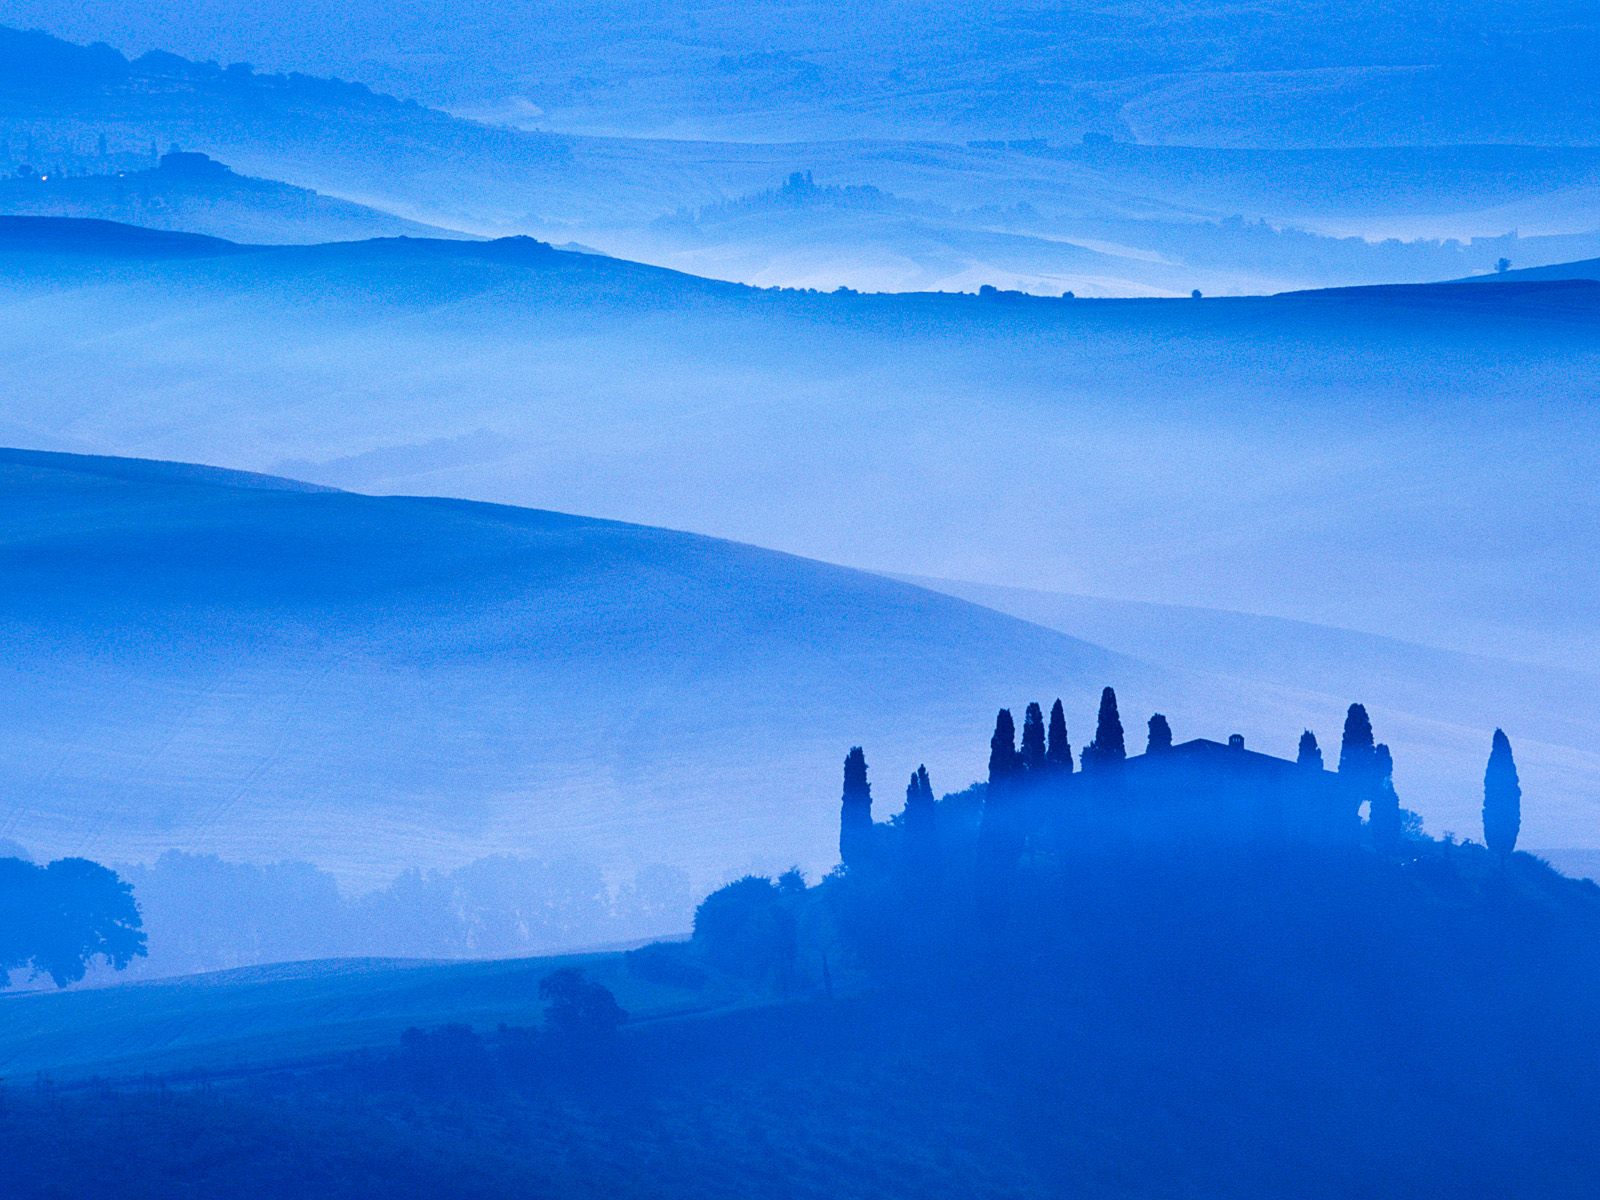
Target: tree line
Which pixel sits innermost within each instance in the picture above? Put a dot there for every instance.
(1365, 769)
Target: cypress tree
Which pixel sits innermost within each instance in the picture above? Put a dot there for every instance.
(1003, 749)
(1356, 748)
(1059, 751)
(999, 837)
(1033, 749)
(1359, 773)
(920, 839)
(1502, 798)
(1160, 739)
(1310, 755)
(1108, 746)
(855, 811)
(1383, 815)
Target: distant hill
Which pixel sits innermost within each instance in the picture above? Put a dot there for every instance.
(193, 193)
(1049, 213)
(92, 238)
(1588, 270)
(263, 670)
(1142, 449)
(805, 233)
(63, 104)
(1302, 73)
(1369, 423)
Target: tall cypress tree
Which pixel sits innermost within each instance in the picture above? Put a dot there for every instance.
(1003, 749)
(1502, 798)
(1059, 751)
(921, 842)
(1108, 747)
(999, 837)
(855, 811)
(1358, 769)
(1160, 739)
(1310, 755)
(1383, 815)
(1356, 748)
(1033, 748)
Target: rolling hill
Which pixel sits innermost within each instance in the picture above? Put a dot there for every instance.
(809, 234)
(1047, 213)
(1586, 270)
(265, 670)
(1337, 457)
(192, 193)
(1297, 72)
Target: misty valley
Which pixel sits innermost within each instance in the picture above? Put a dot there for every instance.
(813, 600)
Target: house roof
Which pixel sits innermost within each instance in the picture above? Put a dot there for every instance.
(1218, 756)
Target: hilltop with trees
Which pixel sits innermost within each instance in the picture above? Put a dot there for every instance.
(1240, 873)
(1247, 877)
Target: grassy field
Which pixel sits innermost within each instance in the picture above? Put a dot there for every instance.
(293, 1012)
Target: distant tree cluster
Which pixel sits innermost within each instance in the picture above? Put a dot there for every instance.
(205, 913)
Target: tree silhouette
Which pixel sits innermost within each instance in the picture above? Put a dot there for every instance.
(60, 918)
(1108, 747)
(578, 1010)
(1383, 815)
(744, 928)
(999, 833)
(855, 811)
(1033, 747)
(1502, 798)
(1160, 739)
(1356, 748)
(919, 822)
(1310, 755)
(1003, 759)
(1368, 776)
(1058, 752)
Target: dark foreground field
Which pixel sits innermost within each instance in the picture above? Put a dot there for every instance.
(1416, 1030)
(862, 1098)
